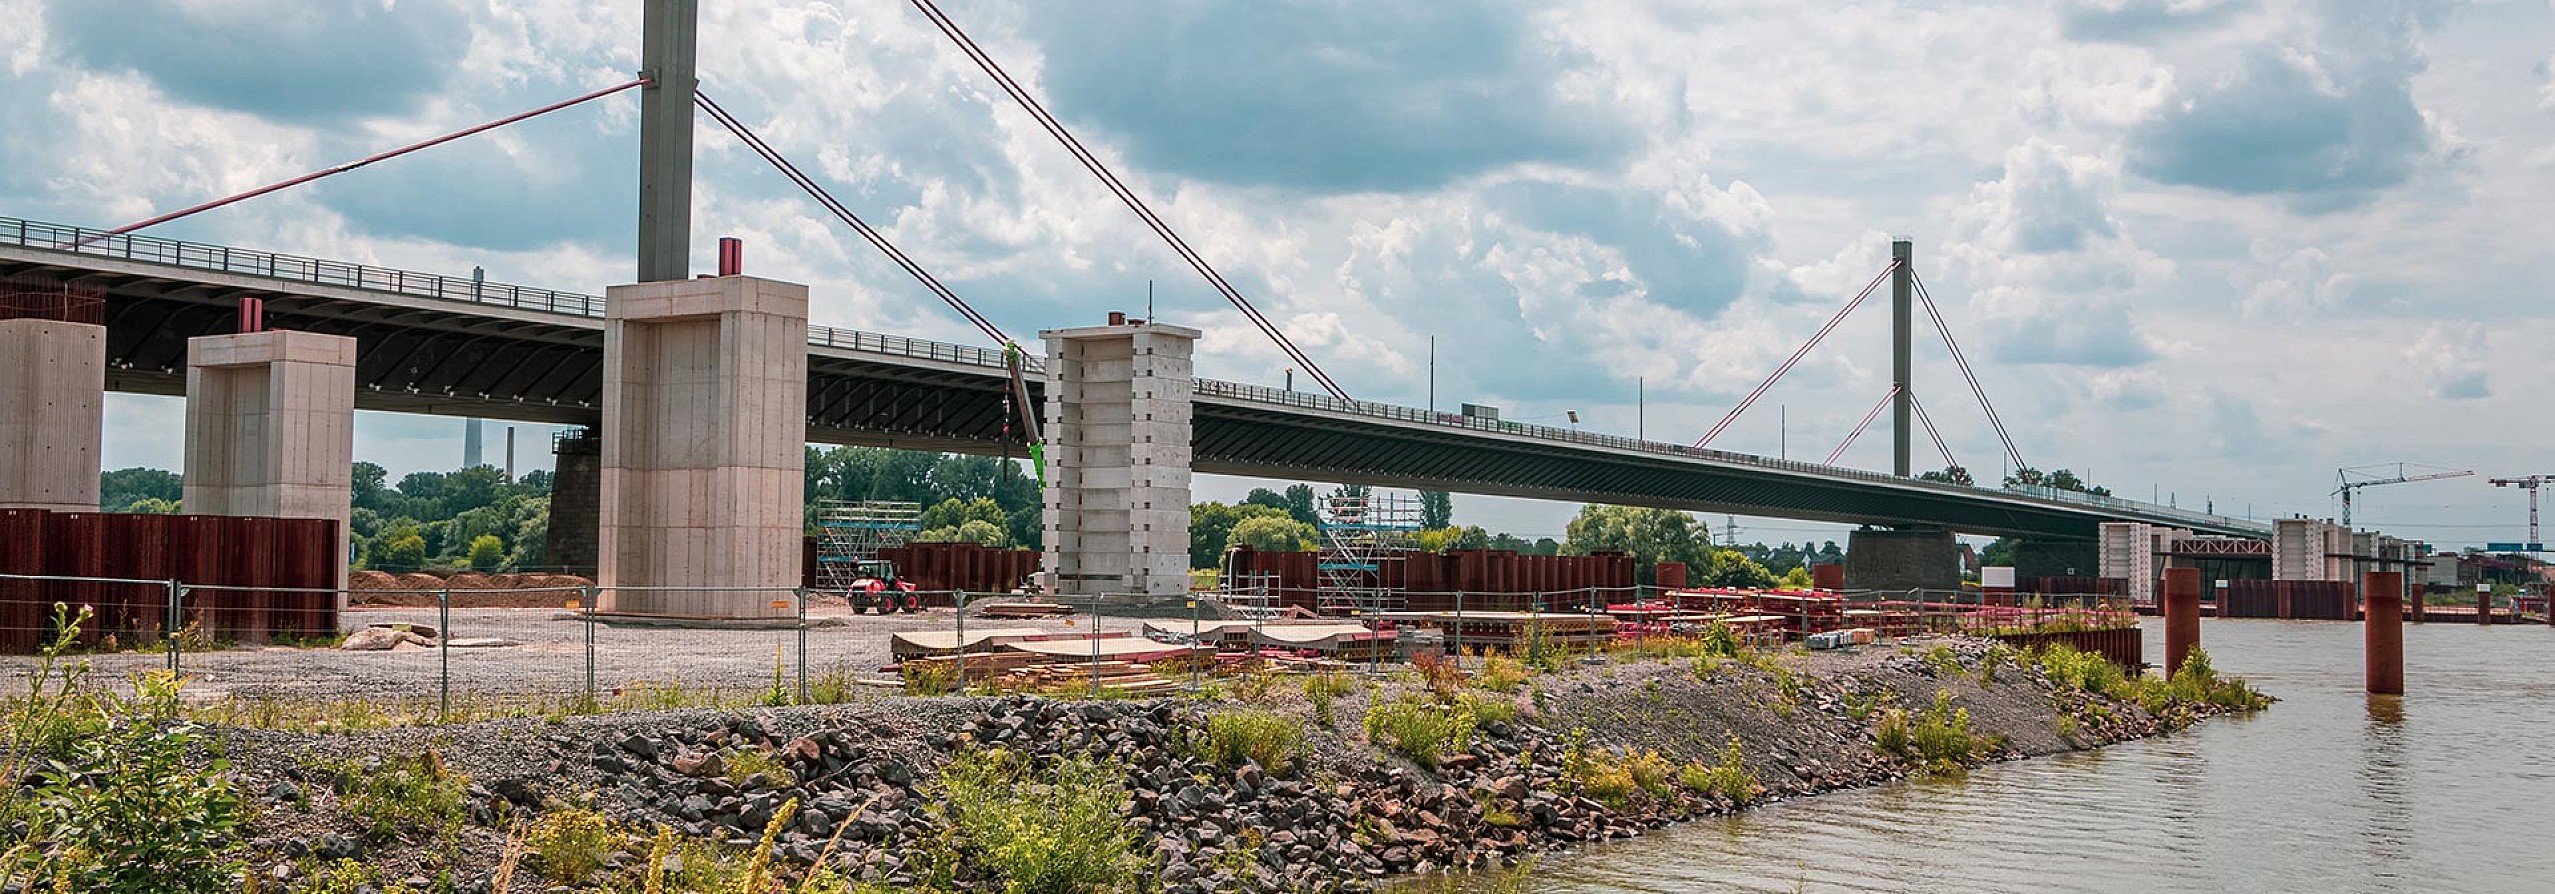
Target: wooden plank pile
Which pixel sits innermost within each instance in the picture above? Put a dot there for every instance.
(1019, 610)
(1120, 677)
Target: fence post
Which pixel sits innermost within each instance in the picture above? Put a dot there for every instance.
(592, 703)
(1194, 664)
(801, 594)
(1095, 646)
(177, 598)
(443, 651)
(958, 603)
(1457, 638)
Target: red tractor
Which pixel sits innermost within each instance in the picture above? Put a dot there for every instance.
(878, 587)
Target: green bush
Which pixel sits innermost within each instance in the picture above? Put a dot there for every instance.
(1040, 827)
(1729, 778)
(1249, 734)
(1321, 688)
(487, 552)
(1423, 731)
(1938, 738)
(124, 809)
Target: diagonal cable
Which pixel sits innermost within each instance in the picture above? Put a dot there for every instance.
(1804, 351)
(1961, 360)
(1931, 431)
(1860, 426)
(822, 197)
(1126, 195)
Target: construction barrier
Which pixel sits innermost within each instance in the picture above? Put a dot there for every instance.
(245, 578)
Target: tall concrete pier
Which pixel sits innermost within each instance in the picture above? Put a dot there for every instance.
(52, 408)
(1117, 499)
(270, 426)
(704, 446)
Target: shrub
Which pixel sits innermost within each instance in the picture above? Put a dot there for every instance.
(1938, 737)
(1420, 730)
(572, 843)
(1249, 734)
(929, 677)
(1040, 827)
(743, 764)
(1442, 676)
(1489, 710)
(122, 809)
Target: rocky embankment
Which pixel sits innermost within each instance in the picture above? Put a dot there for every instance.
(1344, 814)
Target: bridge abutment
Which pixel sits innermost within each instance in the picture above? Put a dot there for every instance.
(52, 409)
(704, 447)
(270, 427)
(1117, 431)
(1902, 559)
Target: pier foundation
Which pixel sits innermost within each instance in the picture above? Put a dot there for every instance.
(1117, 498)
(2382, 631)
(270, 428)
(2182, 616)
(52, 409)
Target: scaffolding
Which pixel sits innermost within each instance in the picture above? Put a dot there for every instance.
(850, 535)
(1361, 534)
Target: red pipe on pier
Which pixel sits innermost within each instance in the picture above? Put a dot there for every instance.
(2182, 616)
(2382, 630)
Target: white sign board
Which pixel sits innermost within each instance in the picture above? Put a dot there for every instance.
(1996, 577)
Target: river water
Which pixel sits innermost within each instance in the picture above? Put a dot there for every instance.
(2449, 789)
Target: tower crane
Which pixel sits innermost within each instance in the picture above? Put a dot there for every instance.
(2529, 484)
(2345, 486)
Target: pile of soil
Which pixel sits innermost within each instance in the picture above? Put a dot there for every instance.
(470, 589)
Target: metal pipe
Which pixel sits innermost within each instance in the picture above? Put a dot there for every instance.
(2382, 631)
(2182, 616)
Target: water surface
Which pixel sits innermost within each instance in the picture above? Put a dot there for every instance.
(2448, 789)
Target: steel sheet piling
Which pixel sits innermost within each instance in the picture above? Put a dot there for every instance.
(2383, 631)
(2182, 616)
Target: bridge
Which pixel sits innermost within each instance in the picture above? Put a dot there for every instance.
(438, 344)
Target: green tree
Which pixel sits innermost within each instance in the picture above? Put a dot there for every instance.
(487, 552)
(1472, 537)
(1950, 475)
(1436, 509)
(402, 549)
(120, 489)
(1731, 568)
(1652, 536)
(1798, 578)
(1271, 533)
(1211, 529)
(1999, 552)
(152, 506)
(1301, 505)
(1261, 496)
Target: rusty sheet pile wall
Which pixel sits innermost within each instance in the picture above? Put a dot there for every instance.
(1491, 580)
(241, 574)
(937, 568)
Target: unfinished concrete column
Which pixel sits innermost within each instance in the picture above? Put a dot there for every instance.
(52, 407)
(2182, 616)
(704, 447)
(270, 427)
(1902, 559)
(2382, 631)
(1117, 500)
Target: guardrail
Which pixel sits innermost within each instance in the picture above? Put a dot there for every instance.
(224, 259)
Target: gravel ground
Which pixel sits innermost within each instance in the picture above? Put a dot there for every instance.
(550, 660)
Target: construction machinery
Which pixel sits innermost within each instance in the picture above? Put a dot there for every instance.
(2384, 473)
(2530, 484)
(849, 539)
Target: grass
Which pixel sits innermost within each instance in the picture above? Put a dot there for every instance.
(402, 796)
(571, 844)
(754, 767)
(1237, 736)
(2194, 690)
(1502, 674)
(1937, 738)
(1321, 688)
(1615, 777)
(1027, 826)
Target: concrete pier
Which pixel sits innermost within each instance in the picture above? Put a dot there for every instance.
(1117, 431)
(270, 427)
(1902, 559)
(2182, 616)
(2382, 631)
(704, 447)
(52, 408)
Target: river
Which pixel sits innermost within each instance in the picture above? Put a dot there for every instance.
(2449, 789)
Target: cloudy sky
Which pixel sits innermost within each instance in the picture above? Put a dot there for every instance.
(2206, 248)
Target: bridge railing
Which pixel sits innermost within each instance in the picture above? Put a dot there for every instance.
(225, 259)
(857, 340)
(1283, 397)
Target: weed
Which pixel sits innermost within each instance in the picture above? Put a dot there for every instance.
(1939, 738)
(1443, 677)
(1728, 779)
(1254, 686)
(402, 795)
(1040, 827)
(1423, 731)
(754, 767)
(929, 677)
(345, 876)
(120, 808)
(1944, 663)
(1489, 710)
(1502, 674)
(1321, 688)
(571, 844)
(1235, 736)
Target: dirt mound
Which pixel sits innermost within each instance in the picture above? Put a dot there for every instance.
(470, 589)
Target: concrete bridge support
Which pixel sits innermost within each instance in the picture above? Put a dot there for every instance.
(52, 408)
(576, 494)
(1117, 432)
(270, 427)
(704, 447)
(1902, 559)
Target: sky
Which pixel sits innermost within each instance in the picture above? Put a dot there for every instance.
(2204, 250)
